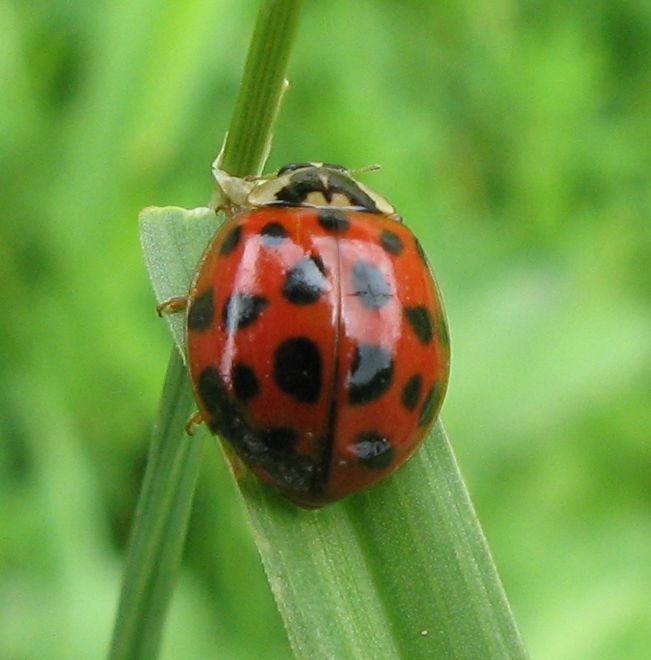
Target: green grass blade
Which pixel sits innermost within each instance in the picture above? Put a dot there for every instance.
(161, 519)
(173, 241)
(402, 570)
(160, 524)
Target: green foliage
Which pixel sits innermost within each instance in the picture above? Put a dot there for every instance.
(514, 140)
(159, 526)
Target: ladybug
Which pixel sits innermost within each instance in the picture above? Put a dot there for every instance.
(317, 343)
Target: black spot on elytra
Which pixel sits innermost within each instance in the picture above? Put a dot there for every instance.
(224, 416)
(374, 450)
(242, 309)
(411, 392)
(318, 262)
(297, 369)
(212, 390)
(280, 441)
(371, 285)
(391, 242)
(202, 311)
(293, 473)
(305, 282)
(334, 220)
(272, 450)
(273, 234)
(420, 319)
(430, 405)
(371, 374)
(245, 382)
(231, 241)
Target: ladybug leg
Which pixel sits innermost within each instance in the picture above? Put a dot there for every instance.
(172, 306)
(195, 420)
(226, 207)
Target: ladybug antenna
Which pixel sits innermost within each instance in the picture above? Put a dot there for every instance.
(366, 168)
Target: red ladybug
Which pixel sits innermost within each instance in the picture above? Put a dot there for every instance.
(317, 341)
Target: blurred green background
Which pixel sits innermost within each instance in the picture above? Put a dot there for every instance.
(514, 139)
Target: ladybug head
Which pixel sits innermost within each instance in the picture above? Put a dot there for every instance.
(317, 185)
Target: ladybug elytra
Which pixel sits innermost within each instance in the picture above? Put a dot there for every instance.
(317, 342)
